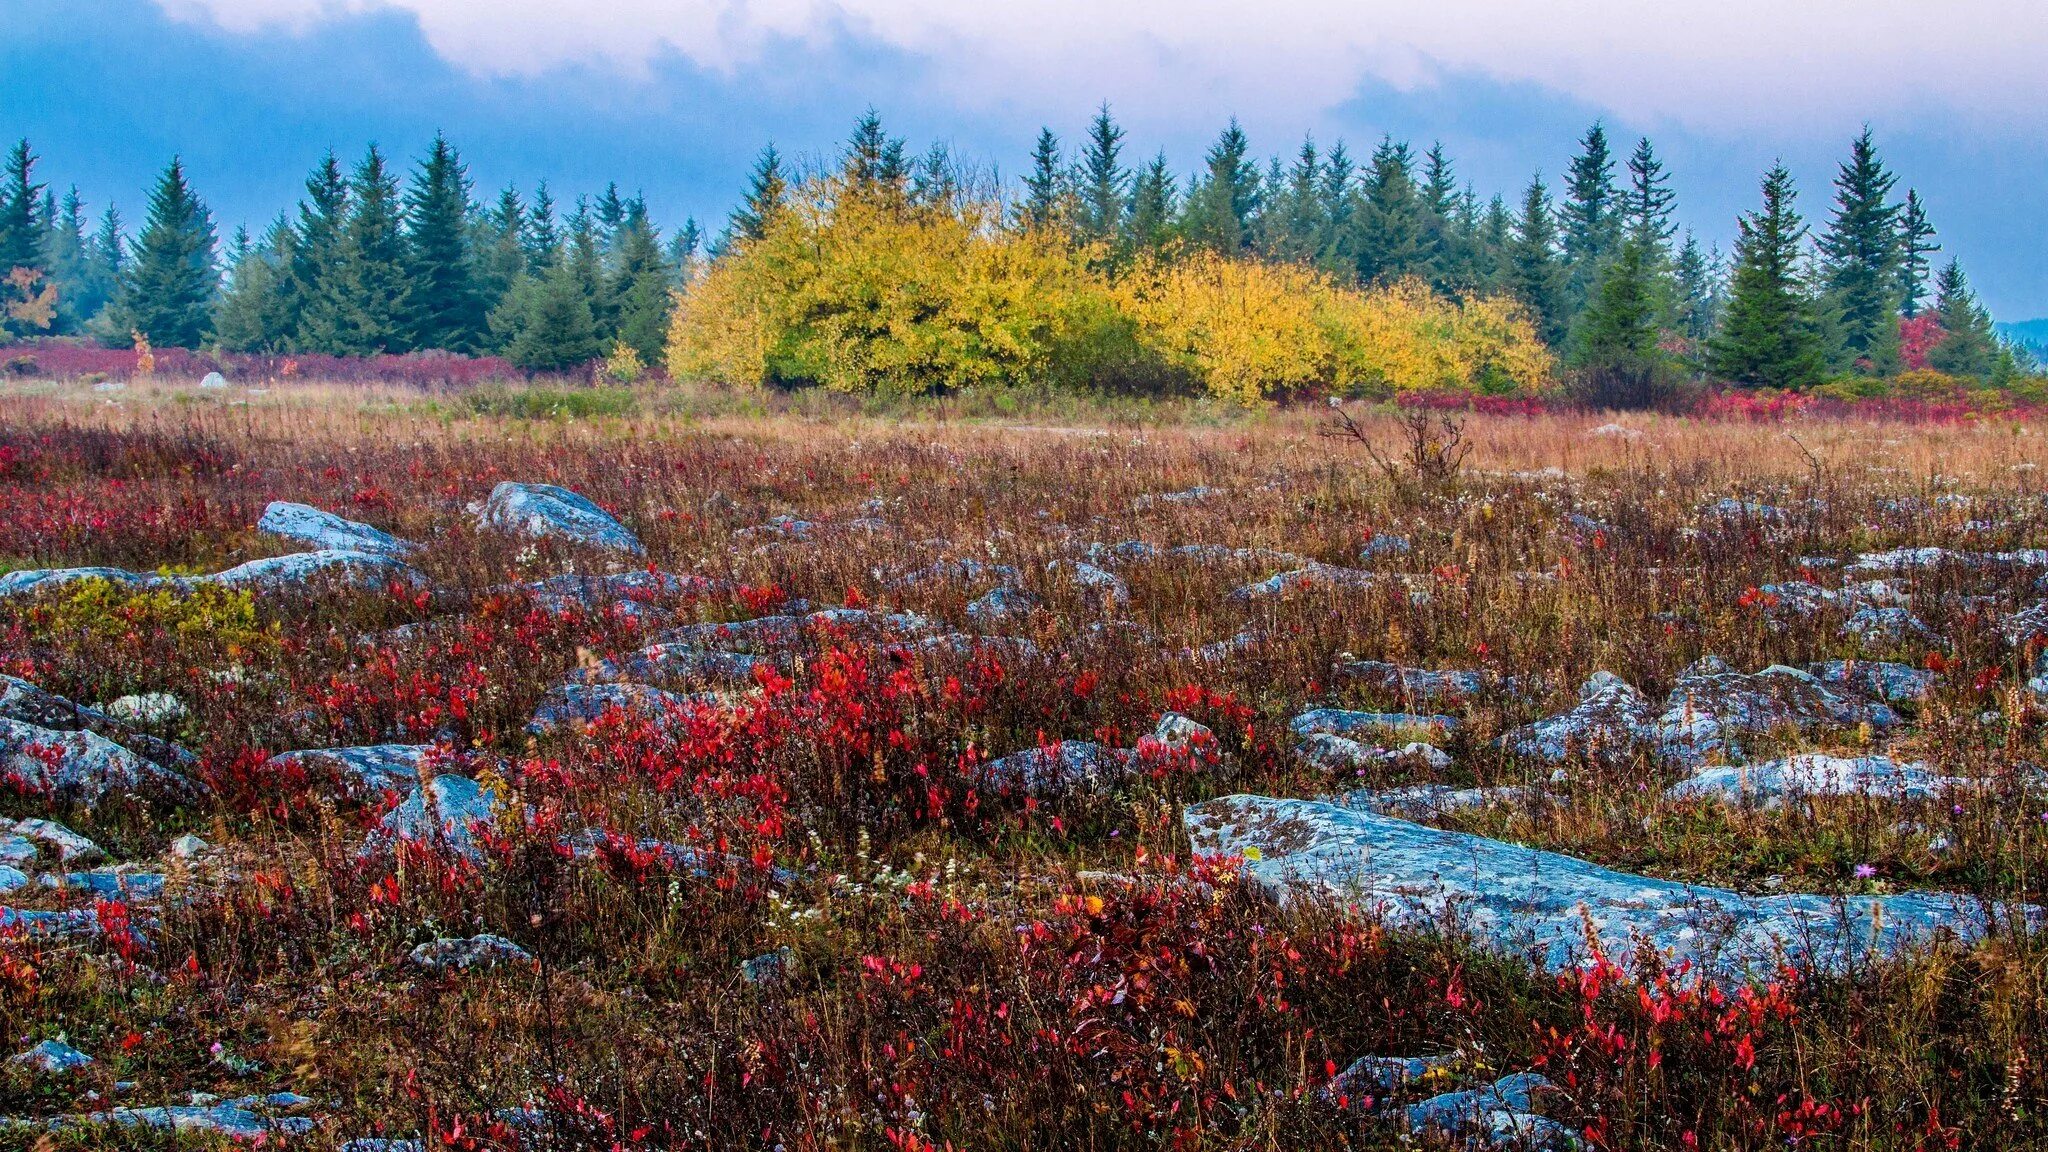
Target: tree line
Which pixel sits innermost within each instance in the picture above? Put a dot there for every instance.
(370, 261)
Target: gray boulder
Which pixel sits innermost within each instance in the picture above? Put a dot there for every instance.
(369, 571)
(544, 510)
(1611, 720)
(24, 702)
(1069, 765)
(1527, 902)
(1002, 605)
(44, 579)
(53, 1057)
(328, 532)
(577, 705)
(1496, 1116)
(1892, 683)
(442, 814)
(1713, 709)
(364, 770)
(70, 847)
(1333, 753)
(1349, 724)
(80, 765)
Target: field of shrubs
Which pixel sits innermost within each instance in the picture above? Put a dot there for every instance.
(388, 774)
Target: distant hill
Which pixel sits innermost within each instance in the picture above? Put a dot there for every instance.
(2030, 336)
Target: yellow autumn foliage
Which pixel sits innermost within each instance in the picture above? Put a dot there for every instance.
(870, 293)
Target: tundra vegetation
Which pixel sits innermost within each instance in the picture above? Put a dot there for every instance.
(391, 769)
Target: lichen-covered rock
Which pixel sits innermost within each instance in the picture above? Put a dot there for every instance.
(1611, 720)
(1333, 753)
(445, 814)
(1430, 801)
(1349, 724)
(1419, 685)
(1310, 576)
(365, 770)
(628, 593)
(1177, 731)
(461, 954)
(326, 531)
(53, 1057)
(1383, 545)
(577, 705)
(676, 662)
(1892, 683)
(23, 701)
(1527, 902)
(368, 571)
(1812, 774)
(1713, 709)
(70, 847)
(12, 879)
(30, 580)
(1885, 627)
(1370, 1076)
(79, 765)
(1496, 1116)
(1100, 583)
(243, 1118)
(1002, 605)
(1068, 766)
(544, 510)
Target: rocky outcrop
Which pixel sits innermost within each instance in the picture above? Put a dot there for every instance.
(327, 532)
(1714, 709)
(1527, 902)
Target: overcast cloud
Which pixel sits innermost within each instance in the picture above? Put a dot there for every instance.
(1732, 63)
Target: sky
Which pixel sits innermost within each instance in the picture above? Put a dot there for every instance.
(674, 98)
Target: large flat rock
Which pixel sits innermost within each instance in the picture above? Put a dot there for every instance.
(325, 530)
(544, 510)
(1542, 905)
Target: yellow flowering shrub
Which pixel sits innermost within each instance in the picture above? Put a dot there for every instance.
(1403, 337)
(215, 619)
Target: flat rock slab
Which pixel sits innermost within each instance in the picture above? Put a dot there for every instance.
(1797, 777)
(370, 571)
(444, 813)
(29, 704)
(324, 530)
(1349, 724)
(544, 510)
(1892, 683)
(1542, 905)
(570, 706)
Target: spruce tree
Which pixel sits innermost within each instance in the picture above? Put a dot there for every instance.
(444, 307)
(584, 258)
(251, 316)
(1916, 244)
(641, 286)
(1861, 258)
(1339, 202)
(766, 191)
(1698, 303)
(1220, 207)
(543, 237)
(1621, 324)
(1969, 345)
(1767, 334)
(358, 306)
(1647, 205)
(67, 260)
(1445, 238)
(315, 292)
(1591, 216)
(21, 225)
(1390, 221)
(684, 252)
(500, 251)
(874, 163)
(1149, 221)
(1044, 185)
(1298, 227)
(106, 263)
(170, 286)
(609, 214)
(1492, 241)
(553, 329)
(1536, 275)
(1103, 180)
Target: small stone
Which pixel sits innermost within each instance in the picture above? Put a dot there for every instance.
(213, 380)
(189, 847)
(481, 951)
(768, 969)
(150, 708)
